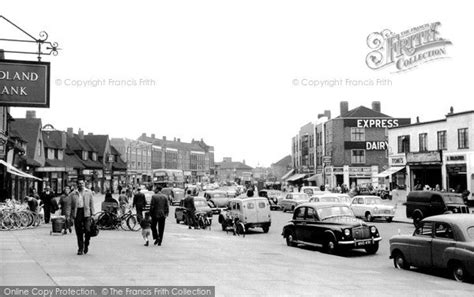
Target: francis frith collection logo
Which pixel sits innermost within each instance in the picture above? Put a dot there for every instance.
(407, 49)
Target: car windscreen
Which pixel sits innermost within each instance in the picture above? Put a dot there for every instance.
(470, 233)
(328, 199)
(218, 195)
(374, 200)
(453, 199)
(300, 196)
(334, 211)
(308, 191)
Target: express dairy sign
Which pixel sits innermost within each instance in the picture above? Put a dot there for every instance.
(24, 83)
(376, 123)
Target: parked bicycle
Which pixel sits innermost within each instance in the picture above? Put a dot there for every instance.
(202, 220)
(14, 216)
(107, 220)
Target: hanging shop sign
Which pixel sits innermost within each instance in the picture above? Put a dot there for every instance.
(24, 83)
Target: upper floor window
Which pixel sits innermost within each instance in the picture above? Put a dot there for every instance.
(404, 144)
(423, 142)
(442, 140)
(357, 134)
(358, 156)
(85, 156)
(94, 156)
(463, 138)
(60, 154)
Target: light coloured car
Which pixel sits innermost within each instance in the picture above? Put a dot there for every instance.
(327, 197)
(371, 207)
(311, 190)
(292, 200)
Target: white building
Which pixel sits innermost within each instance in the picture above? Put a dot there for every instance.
(433, 153)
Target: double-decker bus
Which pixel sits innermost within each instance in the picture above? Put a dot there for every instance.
(168, 178)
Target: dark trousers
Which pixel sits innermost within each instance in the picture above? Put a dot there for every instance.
(82, 227)
(158, 234)
(139, 212)
(191, 218)
(47, 212)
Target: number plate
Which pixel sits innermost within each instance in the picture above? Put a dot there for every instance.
(363, 242)
(387, 211)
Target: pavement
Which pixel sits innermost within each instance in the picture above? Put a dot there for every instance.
(257, 265)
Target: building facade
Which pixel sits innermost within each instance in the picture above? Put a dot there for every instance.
(352, 148)
(232, 171)
(138, 156)
(434, 153)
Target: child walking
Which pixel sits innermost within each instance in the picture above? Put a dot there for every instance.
(146, 228)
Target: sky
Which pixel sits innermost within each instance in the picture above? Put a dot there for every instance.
(236, 73)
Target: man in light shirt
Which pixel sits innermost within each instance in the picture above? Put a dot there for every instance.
(82, 209)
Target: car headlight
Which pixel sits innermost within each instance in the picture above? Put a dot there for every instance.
(376, 210)
(347, 232)
(373, 229)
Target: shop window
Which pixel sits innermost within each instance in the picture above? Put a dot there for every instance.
(404, 144)
(442, 140)
(357, 134)
(423, 142)
(358, 156)
(463, 140)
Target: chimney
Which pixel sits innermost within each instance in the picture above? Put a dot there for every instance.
(376, 106)
(417, 119)
(451, 110)
(344, 107)
(70, 132)
(143, 135)
(227, 159)
(243, 161)
(31, 114)
(63, 139)
(174, 139)
(90, 134)
(164, 138)
(327, 113)
(179, 139)
(80, 133)
(153, 135)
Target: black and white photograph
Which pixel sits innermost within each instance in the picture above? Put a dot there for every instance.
(236, 148)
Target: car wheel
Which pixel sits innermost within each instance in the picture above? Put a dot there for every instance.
(389, 219)
(177, 221)
(224, 226)
(372, 249)
(266, 228)
(330, 246)
(459, 272)
(399, 261)
(369, 217)
(293, 208)
(291, 239)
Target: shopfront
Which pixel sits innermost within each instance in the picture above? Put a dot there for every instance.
(425, 169)
(458, 174)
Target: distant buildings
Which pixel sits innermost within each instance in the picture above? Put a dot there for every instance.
(229, 170)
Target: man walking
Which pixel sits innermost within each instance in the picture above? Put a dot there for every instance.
(139, 202)
(159, 211)
(46, 198)
(190, 209)
(82, 209)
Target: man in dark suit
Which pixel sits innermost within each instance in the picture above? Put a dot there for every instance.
(159, 211)
(139, 202)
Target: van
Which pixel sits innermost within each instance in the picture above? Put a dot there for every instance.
(422, 204)
(252, 212)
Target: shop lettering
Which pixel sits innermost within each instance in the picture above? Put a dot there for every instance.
(20, 76)
(455, 158)
(11, 90)
(378, 123)
(376, 145)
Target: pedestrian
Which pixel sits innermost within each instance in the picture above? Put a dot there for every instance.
(46, 199)
(159, 211)
(123, 202)
(146, 228)
(32, 203)
(139, 202)
(190, 210)
(82, 209)
(65, 203)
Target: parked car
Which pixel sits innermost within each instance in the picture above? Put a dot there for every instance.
(344, 198)
(327, 197)
(442, 242)
(372, 207)
(218, 200)
(311, 190)
(292, 200)
(175, 195)
(252, 212)
(332, 226)
(199, 203)
(422, 204)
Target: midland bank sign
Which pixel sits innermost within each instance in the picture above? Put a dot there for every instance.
(24, 83)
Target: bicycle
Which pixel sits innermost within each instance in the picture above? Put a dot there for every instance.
(108, 220)
(202, 220)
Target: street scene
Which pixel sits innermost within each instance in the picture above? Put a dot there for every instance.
(219, 149)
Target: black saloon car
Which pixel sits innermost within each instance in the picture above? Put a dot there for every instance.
(332, 226)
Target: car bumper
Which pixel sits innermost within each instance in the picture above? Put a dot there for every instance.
(359, 242)
(383, 215)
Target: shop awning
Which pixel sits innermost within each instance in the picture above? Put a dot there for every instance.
(17, 172)
(296, 177)
(287, 174)
(317, 178)
(389, 171)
